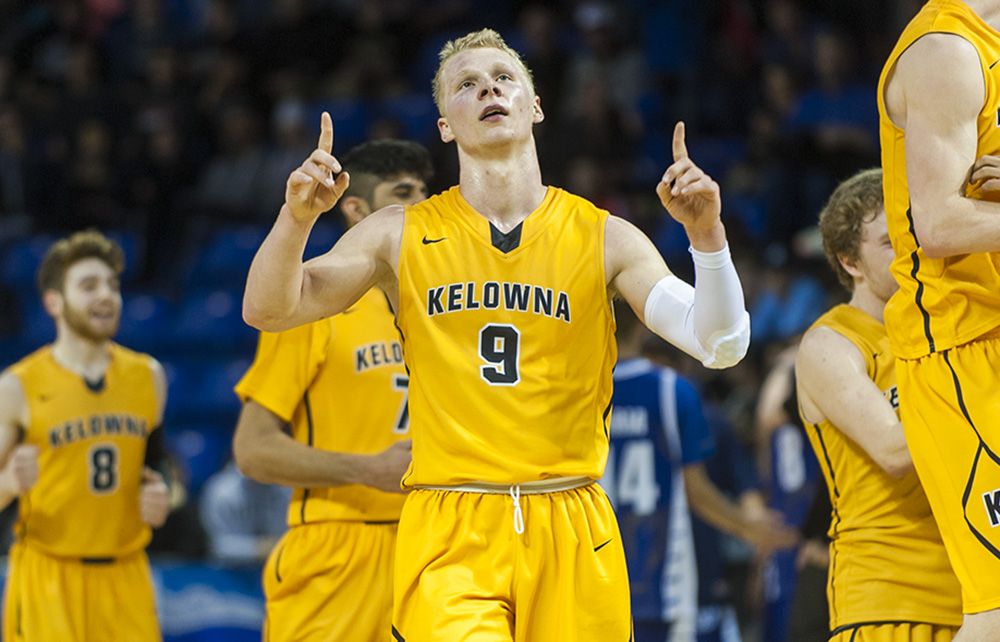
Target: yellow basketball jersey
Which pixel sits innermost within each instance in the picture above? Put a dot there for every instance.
(510, 353)
(887, 558)
(941, 303)
(341, 384)
(92, 441)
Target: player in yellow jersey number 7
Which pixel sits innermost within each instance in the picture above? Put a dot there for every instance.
(508, 330)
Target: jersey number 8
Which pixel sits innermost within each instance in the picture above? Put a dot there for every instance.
(102, 468)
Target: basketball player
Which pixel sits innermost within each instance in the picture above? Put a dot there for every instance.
(889, 573)
(503, 290)
(79, 430)
(660, 439)
(939, 99)
(341, 384)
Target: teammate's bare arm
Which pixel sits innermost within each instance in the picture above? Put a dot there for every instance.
(938, 105)
(20, 462)
(833, 384)
(283, 292)
(265, 452)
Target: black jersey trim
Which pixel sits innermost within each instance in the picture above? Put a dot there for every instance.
(857, 625)
(836, 514)
(975, 462)
(309, 441)
(277, 564)
(506, 242)
(919, 296)
(396, 635)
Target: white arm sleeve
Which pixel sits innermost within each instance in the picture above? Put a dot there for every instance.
(708, 321)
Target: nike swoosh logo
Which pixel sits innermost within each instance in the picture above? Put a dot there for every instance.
(602, 545)
(427, 241)
(994, 64)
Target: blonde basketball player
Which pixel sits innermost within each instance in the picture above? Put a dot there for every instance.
(503, 291)
(341, 384)
(890, 579)
(939, 100)
(78, 423)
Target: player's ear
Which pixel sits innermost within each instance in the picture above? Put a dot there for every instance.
(445, 129)
(53, 302)
(537, 108)
(849, 264)
(354, 208)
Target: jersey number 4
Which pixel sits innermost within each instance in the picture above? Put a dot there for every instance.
(631, 482)
(500, 348)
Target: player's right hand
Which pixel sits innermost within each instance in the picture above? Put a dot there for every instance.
(21, 472)
(987, 170)
(312, 189)
(390, 465)
(769, 534)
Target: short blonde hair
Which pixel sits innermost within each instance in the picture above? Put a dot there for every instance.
(482, 39)
(855, 202)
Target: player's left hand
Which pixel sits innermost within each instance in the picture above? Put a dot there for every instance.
(154, 498)
(688, 193)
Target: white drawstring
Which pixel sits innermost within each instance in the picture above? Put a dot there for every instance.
(515, 494)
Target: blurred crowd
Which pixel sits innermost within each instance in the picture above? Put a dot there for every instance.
(170, 120)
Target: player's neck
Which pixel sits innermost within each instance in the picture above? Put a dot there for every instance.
(87, 358)
(866, 301)
(505, 190)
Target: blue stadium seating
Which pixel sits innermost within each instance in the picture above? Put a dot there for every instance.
(226, 257)
(324, 234)
(147, 319)
(200, 450)
(211, 321)
(21, 260)
(416, 112)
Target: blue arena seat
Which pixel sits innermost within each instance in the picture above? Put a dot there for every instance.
(416, 112)
(21, 260)
(36, 327)
(351, 118)
(211, 321)
(324, 234)
(225, 259)
(147, 319)
(201, 389)
(200, 449)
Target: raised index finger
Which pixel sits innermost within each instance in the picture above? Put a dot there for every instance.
(680, 149)
(326, 132)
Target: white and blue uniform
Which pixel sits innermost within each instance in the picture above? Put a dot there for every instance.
(795, 480)
(657, 428)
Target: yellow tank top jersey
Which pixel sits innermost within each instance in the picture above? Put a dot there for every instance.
(941, 303)
(510, 353)
(92, 442)
(341, 384)
(888, 562)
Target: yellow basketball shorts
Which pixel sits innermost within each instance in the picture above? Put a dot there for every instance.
(72, 600)
(463, 572)
(330, 581)
(894, 632)
(950, 406)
